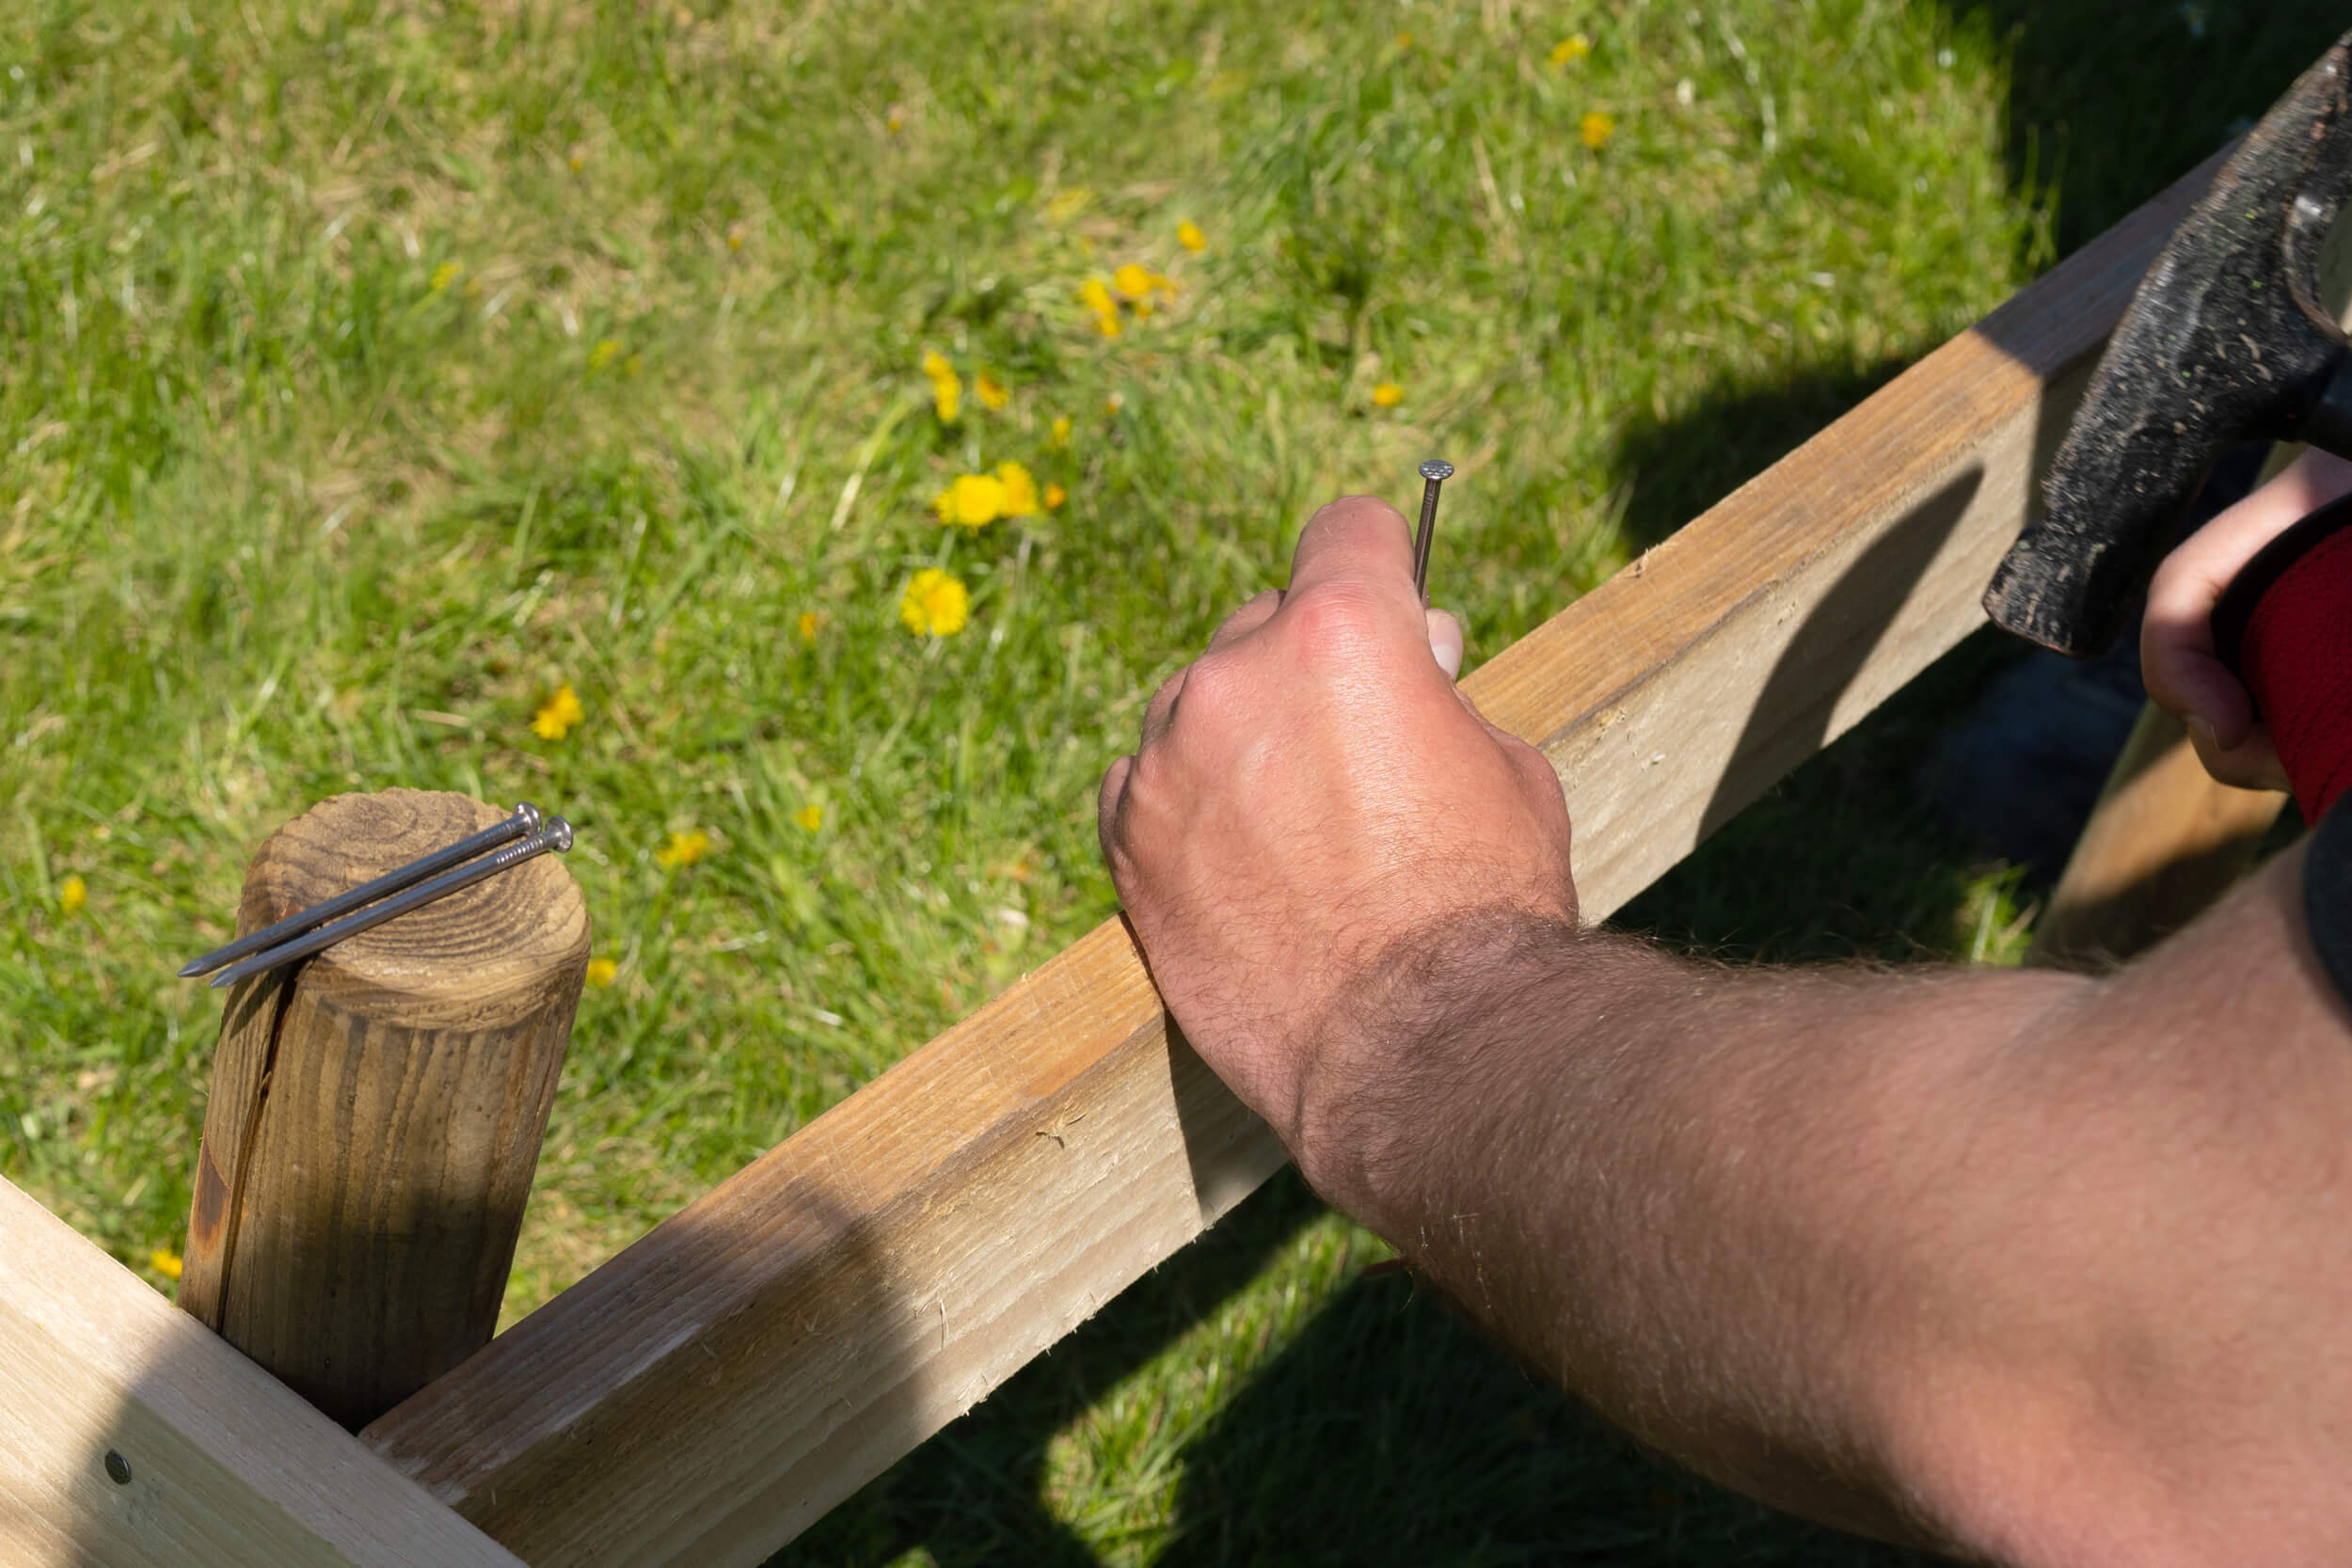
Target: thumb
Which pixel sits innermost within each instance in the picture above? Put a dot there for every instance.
(1445, 642)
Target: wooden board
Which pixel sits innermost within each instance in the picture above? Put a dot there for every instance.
(762, 1353)
(2165, 842)
(216, 1463)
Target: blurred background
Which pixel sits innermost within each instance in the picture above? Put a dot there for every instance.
(793, 440)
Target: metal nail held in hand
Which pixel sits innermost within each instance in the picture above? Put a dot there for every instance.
(1437, 471)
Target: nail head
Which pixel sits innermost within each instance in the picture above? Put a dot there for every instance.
(117, 1468)
(1437, 467)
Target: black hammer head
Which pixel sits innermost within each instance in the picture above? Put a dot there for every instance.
(2226, 341)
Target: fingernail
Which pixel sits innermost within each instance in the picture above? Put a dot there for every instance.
(1445, 642)
(2201, 730)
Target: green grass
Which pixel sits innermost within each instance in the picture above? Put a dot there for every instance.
(372, 371)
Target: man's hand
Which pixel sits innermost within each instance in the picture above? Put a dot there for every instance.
(2176, 654)
(1310, 795)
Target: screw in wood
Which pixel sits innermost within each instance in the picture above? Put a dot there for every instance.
(1436, 471)
(525, 820)
(556, 835)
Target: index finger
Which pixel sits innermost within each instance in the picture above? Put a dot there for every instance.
(1360, 540)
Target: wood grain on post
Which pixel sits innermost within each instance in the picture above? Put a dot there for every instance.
(376, 1111)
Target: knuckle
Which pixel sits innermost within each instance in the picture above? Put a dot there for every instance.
(1339, 618)
(1214, 684)
(1261, 603)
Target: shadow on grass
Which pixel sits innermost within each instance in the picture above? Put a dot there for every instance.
(2109, 99)
(1388, 1432)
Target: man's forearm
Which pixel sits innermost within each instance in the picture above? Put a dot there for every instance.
(1673, 1185)
(1828, 1234)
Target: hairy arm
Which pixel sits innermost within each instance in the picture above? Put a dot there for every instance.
(2037, 1267)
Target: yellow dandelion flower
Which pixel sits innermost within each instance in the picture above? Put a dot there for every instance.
(810, 621)
(736, 232)
(1061, 430)
(894, 120)
(1388, 394)
(682, 850)
(1113, 403)
(1055, 496)
(165, 1263)
(993, 393)
(1404, 40)
(1188, 235)
(602, 973)
(446, 273)
(1097, 298)
(935, 605)
(1596, 128)
(605, 351)
(810, 816)
(973, 501)
(1570, 49)
(577, 156)
(946, 390)
(1136, 282)
(1020, 489)
(72, 895)
(558, 714)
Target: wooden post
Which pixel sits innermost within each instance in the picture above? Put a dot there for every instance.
(376, 1111)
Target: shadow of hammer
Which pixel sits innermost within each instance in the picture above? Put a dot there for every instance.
(2226, 341)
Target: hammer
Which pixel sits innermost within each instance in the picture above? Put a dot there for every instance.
(2226, 341)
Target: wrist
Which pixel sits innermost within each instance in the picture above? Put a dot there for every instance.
(1413, 1067)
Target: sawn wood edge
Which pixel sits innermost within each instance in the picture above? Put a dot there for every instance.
(132, 1435)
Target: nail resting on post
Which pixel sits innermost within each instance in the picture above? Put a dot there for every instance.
(556, 835)
(524, 821)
